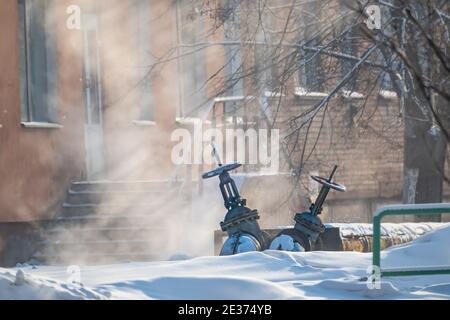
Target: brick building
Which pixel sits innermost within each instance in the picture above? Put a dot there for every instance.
(87, 113)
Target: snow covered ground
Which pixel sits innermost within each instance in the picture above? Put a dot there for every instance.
(259, 275)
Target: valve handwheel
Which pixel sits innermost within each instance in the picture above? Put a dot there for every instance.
(240, 223)
(330, 184)
(308, 226)
(221, 169)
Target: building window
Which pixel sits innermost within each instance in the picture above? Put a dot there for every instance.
(192, 61)
(384, 77)
(38, 61)
(141, 27)
(266, 55)
(266, 75)
(348, 47)
(310, 75)
(233, 60)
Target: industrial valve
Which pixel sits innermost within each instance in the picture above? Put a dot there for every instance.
(240, 223)
(308, 226)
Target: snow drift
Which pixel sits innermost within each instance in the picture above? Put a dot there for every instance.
(257, 275)
(23, 286)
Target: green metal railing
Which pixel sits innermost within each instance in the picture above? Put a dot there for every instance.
(403, 210)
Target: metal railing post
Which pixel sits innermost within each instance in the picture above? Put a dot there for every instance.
(403, 210)
(376, 241)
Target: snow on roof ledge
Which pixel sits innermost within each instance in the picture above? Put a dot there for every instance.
(348, 94)
(387, 94)
(190, 120)
(302, 92)
(273, 94)
(144, 123)
(232, 98)
(41, 125)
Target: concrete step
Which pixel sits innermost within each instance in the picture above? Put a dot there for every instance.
(113, 221)
(102, 246)
(93, 234)
(148, 186)
(152, 209)
(81, 203)
(114, 244)
(117, 197)
(105, 221)
(76, 210)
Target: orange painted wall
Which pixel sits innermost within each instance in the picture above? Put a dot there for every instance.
(137, 152)
(36, 165)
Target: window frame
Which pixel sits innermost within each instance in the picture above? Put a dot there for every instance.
(198, 59)
(146, 98)
(310, 76)
(34, 115)
(233, 58)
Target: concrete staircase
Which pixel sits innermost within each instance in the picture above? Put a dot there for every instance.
(103, 222)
